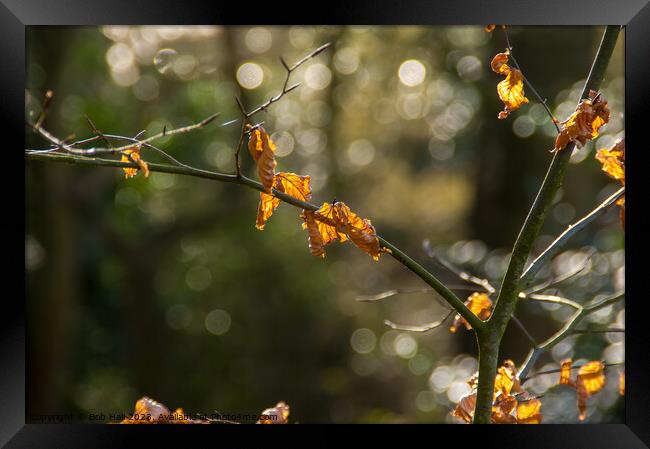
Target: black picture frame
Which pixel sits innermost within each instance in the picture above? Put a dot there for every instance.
(15, 15)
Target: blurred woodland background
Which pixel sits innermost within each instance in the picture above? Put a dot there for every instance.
(163, 286)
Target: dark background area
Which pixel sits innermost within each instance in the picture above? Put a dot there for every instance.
(163, 287)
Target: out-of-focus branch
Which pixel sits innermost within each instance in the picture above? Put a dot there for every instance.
(71, 148)
(553, 248)
(264, 106)
(553, 371)
(567, 330)
(422, 328)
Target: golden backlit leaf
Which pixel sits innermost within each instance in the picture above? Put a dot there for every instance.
(327, 224)
(511, 89)
(582, 400)
(613, 160)
(337, 222)
(275, 415)
(589, 380)
(480, 304)
(132, 154)
(506, 380)
(292, 184)
(499, 63)
(583, 125)
(148, 406)
(511, 403)
(528, 411)
(360, 230)
(314, 237)
(502, 409)
(490, 28)
(592, 376)
(268, 204)
(565, 372)
(511, 92)
(465, 407)
(149, 411)
(621, 383)
(262, 149)
(503, 382)
(621, 202)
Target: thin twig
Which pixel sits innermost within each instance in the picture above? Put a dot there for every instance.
(391, 293)
(47, 100)
(463, 275)
(395, 252)
(543, 101)
(91, 152)
(557, 370)
(599, 331)
(525, 331)
(563, 277)
(551, 299)
(422, 328)
(554, 247)
(285, 89)
(567, 329)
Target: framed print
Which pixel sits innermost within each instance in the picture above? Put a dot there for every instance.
(368, 213)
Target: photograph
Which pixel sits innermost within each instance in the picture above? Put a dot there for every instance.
(325, 224)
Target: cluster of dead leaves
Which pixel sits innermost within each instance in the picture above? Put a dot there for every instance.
(511, 89)
(132, 154)
(613, 160)
(335, 221)
(332, 221)
(583, 125)
(149, 411)
(589, 380)
(480, 304)
(511, 404)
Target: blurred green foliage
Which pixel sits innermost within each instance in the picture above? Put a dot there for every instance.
(163, 287)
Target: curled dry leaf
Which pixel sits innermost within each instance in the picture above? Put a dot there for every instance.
(292, 184)
(528, 410)
(337, 222)
(565, 372)
(511, 404)
(465, 407)
(511, 89)
(502, 410)
(275, 415)
(149, 411)
(262, 149)
(583, 125)
(589, 380)
(506, 380)
(490, 28)
(132, 154)
(613, 160)
(592, 376)
(480, 304)
(360, 231)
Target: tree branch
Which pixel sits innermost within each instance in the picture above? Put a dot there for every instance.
(573, 229)
(490, 336)
(566, 331)
(396, 253)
